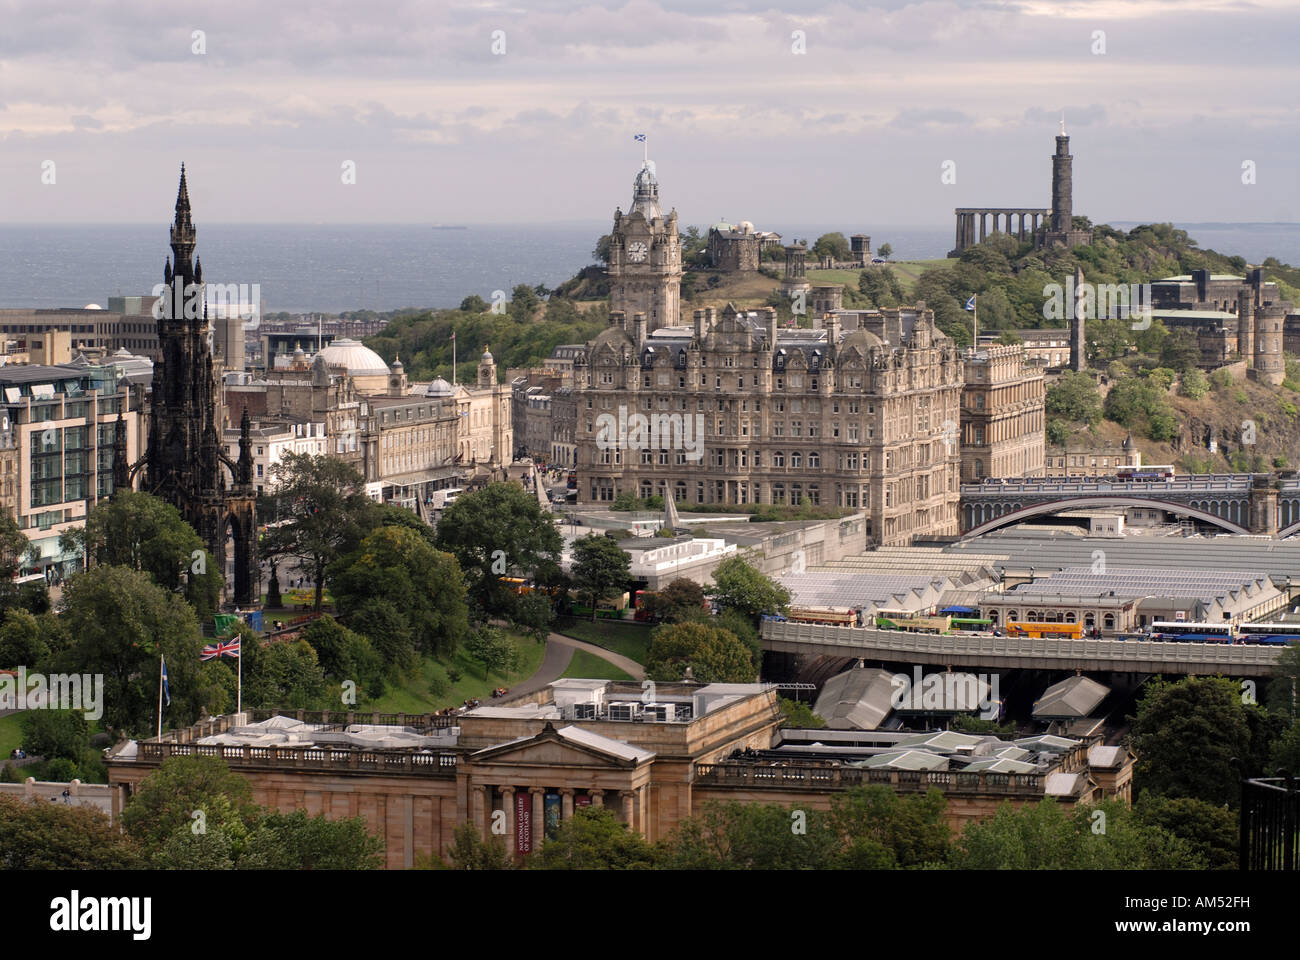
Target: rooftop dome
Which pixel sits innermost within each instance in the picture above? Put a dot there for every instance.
(439, 388)
(645, 193)
(92, 306)
(358, 359)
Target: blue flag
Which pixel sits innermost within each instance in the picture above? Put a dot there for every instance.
(970, 304)
(639, 137)
(167, 693)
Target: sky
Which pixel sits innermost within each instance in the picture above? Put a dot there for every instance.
(486, 112)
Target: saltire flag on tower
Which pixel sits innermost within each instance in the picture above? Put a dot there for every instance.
(222, 648)
(970, 304)
(167, 690)
(639, 137)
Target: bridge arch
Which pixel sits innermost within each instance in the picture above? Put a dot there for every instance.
(1018, 512)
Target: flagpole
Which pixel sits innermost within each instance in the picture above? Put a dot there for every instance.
(976, 298)
(160, 685)
(239, 695)
(453, 358)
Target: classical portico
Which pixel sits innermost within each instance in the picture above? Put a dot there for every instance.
(975, 223)
(525, 788)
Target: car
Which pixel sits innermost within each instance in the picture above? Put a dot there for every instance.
(879, 260)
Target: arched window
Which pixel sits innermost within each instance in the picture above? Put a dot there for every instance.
(778, 458)
(814, 459)
(1108, 622)
(796, 460)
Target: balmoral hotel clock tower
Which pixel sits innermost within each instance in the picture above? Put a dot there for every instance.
(645, 257)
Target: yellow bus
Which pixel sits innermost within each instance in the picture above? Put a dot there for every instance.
(1056, 631)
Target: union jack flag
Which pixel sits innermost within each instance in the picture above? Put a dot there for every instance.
(222, 648)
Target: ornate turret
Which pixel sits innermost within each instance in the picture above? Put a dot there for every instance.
(244, 472)
(121, 470)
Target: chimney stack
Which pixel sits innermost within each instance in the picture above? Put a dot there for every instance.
(700, 327)
(638, 328)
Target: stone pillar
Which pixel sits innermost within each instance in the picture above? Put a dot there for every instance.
(480, 809)
(539, 816)
(983, 223)
(597, 798)
(508, 804)
(566, 804)
(629, 808)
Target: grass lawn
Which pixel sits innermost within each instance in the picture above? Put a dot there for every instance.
(631, 640)
(413, 694)
(11, 734)
(906, 270)
(588, 666)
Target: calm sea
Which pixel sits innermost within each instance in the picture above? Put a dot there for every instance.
(331, 268)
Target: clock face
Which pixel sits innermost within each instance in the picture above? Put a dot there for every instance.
(636, 251)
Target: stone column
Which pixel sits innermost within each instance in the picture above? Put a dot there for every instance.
(597, 798)
(566, 804)
(629, 807)
(983, 222)
(538, 828)
(508, 804)
(480, 808)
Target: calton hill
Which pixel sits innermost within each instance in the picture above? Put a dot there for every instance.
(1145, 383)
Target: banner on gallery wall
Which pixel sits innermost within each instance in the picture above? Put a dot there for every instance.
(552, 814)
(523, 822)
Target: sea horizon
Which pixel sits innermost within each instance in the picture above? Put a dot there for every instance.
(304, 267)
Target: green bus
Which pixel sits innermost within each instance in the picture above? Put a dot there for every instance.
(971, 623)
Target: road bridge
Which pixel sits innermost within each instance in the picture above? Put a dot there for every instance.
(1021, 653)
(1236, 503)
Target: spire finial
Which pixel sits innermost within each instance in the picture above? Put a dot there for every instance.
(1062, 121)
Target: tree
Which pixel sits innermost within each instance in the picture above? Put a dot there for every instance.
(714, 655)
(1210, 830)
(913, 829)
(1180, 351)
(285, 675)
(166, 800)
(469, 851)
(600, 568)
(740, 586)
(682, 599)
(56, 733)
(398, 565)
(344, 654)
(799, 715)
(1185, 736)
(750, 836)
(523, 302)
(389, 632)
(142, 532)
(21, 643)
(473, 304)
(885, 251)
(327, 512)
(600, 252)
(14, 548)
(147, 622)
(492, 648)
(494, 532)
(592, 839)
(296, 841)
(1043, 836)
(833, 245)
(54, 836)
(1194, 384)
(1074, 398)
